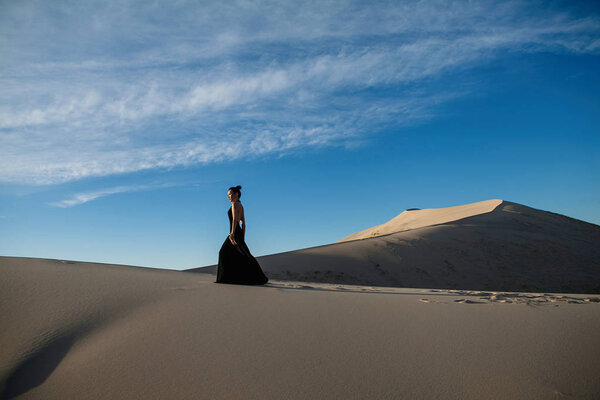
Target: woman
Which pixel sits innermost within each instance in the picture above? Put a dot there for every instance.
(236, 264)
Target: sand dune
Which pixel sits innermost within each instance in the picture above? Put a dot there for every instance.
(490, 245)
(470, 302)
(74, 330)
(416, 218)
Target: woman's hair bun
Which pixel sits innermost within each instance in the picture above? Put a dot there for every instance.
(236, 189)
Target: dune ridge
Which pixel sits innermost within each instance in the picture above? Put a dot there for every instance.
(417, 218)
(499, 245)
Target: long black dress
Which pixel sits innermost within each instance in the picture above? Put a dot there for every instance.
(236, 263)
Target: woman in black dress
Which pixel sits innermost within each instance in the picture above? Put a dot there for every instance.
(236, 263)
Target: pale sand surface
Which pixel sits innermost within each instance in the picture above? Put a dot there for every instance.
(97, 331)
(413, 219)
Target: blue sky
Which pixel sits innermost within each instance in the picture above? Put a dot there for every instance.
(122, 124)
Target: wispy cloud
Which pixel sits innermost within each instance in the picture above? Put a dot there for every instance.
(81, 198)
(91, 90)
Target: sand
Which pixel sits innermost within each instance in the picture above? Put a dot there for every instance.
(74, 330)
(491, 245)
(416, 218)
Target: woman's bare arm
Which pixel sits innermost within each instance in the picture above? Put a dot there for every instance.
(237, 214)
(243, 228)
(243, 220)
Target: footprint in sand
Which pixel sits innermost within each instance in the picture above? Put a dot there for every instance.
(497, 299)
(467, 301)
(430, 301)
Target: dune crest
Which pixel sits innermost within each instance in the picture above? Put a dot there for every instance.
(490, 245)
(415, 218)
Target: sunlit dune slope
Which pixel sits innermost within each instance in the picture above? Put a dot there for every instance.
(416, 218)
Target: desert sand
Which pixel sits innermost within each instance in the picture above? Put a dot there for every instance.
(417, 218)
(488, 245)
(73, 330)
(468, 302)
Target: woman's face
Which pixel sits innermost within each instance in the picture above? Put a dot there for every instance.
(232, 196)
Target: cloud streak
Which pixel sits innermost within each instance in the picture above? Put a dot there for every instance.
(117, 91)
(82, 198)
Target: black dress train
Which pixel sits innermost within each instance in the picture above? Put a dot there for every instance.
(236, 263)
